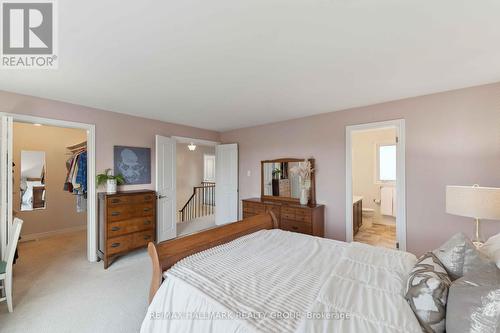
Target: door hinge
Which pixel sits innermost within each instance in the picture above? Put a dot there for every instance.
(397, 139)
(397, 245)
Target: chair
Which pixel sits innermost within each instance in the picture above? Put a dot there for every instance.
(6, 266)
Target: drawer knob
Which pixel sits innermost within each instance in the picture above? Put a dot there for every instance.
(147, 237)
(147, 209)
(115, 244)
(115, 213)
(115, 228)
(115, 200)
(147, 222)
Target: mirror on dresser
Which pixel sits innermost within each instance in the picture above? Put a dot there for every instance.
(280, 180)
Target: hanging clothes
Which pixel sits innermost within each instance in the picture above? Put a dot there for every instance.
(76, 178)
(81, 174)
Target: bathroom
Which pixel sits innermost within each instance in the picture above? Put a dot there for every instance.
(374, 186)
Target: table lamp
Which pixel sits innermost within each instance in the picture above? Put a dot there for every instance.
(476, 202)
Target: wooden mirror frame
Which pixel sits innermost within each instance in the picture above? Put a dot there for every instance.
(312, 194)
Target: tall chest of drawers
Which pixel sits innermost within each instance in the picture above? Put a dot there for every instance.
(308, 220)
(127, 221)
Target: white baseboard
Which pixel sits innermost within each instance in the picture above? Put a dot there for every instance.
(41, 235)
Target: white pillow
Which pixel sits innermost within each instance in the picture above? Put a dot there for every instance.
(492, 249)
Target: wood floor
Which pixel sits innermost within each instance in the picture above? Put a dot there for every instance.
(378, 235)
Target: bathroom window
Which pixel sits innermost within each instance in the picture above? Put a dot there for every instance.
(386, 163)
(208, 168)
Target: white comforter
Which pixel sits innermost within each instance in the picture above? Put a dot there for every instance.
(279, 281)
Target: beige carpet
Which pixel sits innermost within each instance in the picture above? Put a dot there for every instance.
(195, 225)
(57, 290)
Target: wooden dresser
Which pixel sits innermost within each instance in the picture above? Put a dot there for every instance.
(308, 220)
(127, 221)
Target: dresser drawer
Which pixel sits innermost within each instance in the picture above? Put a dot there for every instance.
(254, 208)
(143, 198)
(146, 209)
(295, 226)
(143, 238)
(125, 212)
(119, 212)
(119, 244)
(303, 215)
(121, 200)
(128, 226)
(296, 214)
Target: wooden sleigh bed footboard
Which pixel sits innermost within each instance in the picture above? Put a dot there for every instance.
(165, 254)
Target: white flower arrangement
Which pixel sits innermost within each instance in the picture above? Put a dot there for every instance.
(304, 170)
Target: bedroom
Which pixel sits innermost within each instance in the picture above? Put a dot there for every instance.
(282, 80)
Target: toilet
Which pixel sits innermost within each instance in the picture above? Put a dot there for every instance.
(368, 216)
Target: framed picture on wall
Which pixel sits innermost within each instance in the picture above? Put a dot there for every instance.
(134, 163)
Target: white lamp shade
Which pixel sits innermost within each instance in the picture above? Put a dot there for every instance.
(473, 201)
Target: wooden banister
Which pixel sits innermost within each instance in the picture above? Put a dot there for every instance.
(200, 203)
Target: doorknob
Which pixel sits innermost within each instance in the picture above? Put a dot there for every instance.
(162, 196)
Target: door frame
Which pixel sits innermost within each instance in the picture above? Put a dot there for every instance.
(6, 191)
(91, 172)
(399, 126)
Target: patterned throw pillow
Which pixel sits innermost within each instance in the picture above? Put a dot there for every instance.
(427, 293)
(459, 256)
(492, 249)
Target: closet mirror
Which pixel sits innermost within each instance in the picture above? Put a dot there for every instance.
(32, 184)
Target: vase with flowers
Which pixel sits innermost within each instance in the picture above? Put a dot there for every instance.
(304, 170)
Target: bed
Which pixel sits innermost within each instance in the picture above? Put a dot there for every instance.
(252, 277)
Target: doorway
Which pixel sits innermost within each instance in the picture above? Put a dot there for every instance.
(27, 194)
(375, 184)
(197, 185)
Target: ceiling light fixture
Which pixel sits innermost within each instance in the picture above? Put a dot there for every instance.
(192, 146)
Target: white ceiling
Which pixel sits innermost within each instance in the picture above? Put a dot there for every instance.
(225, 64)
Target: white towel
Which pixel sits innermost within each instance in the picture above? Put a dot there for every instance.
(387, 201)
(394, 202)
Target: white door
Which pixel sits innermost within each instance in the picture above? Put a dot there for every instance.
(5, 181)
(165, 187)
(226, 183)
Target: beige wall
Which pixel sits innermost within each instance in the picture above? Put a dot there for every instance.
(60, 212)
(451, 138)
(189, 170)
(364, 163)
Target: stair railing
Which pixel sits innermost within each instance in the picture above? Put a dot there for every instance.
(200, 203)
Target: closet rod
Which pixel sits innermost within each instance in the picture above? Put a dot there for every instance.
(78, 146)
